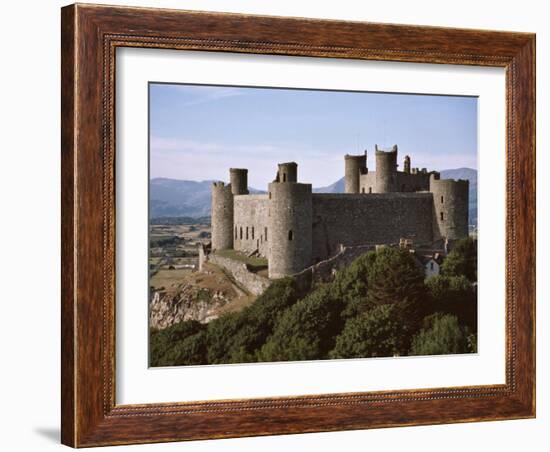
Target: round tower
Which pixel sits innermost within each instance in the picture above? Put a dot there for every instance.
(355, 165)
(287, 172)
(407, 165)
(222, 216)
(289, 228)
(450, 207)
(239, 181)
(386, 170)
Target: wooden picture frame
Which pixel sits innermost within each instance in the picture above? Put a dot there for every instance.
(90, 36)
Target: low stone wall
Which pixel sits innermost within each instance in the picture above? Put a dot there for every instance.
(324, 271)
(252, 282)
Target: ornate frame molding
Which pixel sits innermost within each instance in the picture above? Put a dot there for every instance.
(90, 36)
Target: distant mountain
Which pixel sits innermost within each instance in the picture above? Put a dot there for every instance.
(179, 198)
(336, 187)
(183, 198)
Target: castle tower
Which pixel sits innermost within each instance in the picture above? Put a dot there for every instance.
(450, 207)
(355, 165)
(289, 228)
(222, 216)
(407, 165)
(239, 181)
(287, 172)
(386, 170)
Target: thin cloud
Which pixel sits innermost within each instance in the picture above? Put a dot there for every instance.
(165, 145)
(178, 145)
(203, 94)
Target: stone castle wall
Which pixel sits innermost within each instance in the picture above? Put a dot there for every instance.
(250, 223)
(336, 219)
(289, 228)
(386, 171)
(295, 228)
(450, 199)
(355, 220)
(355, 165)
(238, 178)
(405, 182)
(252, 282)
(222, 216)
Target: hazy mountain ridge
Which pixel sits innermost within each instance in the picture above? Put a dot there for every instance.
(175, 198)
(181, 198)
(336, 187)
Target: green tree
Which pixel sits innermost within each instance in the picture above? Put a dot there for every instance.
(351, 285)
(396, 278)
(378, 332)
(162, 342)
(187, 352)
(441, 335)
(220, 336)
(236, 338)
(455, 295)
(306, 330)
(462, 260)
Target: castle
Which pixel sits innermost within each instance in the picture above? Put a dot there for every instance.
(295, 228)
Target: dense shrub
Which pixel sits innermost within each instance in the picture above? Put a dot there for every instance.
(462, 260)
(162, 343)
(441, 335)
(455, 295)
(220, 337)
(189, 351)
(377, 332)
(233, 337)
(380, 305)
(238, 337)
(306, 330)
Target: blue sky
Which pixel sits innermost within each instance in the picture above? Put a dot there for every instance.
(199, 132)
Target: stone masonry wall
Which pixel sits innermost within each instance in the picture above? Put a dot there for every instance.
(405, 182)
(222, 216)
(252, 282)
(250, 223)
(290, 228)
(383, 218)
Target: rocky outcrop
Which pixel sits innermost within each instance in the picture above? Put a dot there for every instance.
(188, 303)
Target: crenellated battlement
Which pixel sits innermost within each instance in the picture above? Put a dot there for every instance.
(294, 227)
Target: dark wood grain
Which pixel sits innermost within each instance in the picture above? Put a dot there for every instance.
(90, 36)
(68, 310)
